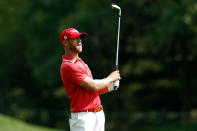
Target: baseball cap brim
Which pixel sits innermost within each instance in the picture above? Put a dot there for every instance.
(83, 35)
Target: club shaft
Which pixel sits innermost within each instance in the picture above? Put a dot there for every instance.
(118, 36)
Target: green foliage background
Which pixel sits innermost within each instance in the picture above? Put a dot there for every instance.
(158, 57)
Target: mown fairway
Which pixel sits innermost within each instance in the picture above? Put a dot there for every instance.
(11, 124)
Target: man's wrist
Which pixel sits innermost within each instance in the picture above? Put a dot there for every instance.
(109, 80)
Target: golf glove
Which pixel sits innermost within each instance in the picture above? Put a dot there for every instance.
(114, 85)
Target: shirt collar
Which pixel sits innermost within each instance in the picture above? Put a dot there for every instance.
(69, 59)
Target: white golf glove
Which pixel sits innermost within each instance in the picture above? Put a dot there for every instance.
(114, 85)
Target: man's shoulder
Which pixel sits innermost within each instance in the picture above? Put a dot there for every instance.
(68, 66)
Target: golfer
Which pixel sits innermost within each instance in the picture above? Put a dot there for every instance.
(82, 89)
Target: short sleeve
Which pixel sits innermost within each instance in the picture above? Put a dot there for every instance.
(74, 73)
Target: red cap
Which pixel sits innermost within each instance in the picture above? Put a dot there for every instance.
(71, 33)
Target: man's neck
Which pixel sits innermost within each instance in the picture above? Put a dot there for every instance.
(71, 54)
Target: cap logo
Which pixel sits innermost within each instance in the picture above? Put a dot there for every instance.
(65, 37)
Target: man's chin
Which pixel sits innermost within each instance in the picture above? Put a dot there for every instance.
(78, 51)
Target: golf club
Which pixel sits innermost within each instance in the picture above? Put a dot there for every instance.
(114, 6)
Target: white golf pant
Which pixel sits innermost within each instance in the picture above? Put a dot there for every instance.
(87, 121)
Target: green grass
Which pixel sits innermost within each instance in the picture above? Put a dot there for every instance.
(11, 124)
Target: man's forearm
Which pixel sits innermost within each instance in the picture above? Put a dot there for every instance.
(102, 83)
(96, 84)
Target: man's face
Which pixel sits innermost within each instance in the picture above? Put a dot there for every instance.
(75, 44)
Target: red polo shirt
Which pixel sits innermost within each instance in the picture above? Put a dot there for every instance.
(73, 72)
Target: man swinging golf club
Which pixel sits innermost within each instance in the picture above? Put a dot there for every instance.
(82, 90)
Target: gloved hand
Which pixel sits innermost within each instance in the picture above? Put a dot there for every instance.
(114, 85)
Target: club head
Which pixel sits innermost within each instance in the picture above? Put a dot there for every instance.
(114, 6)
